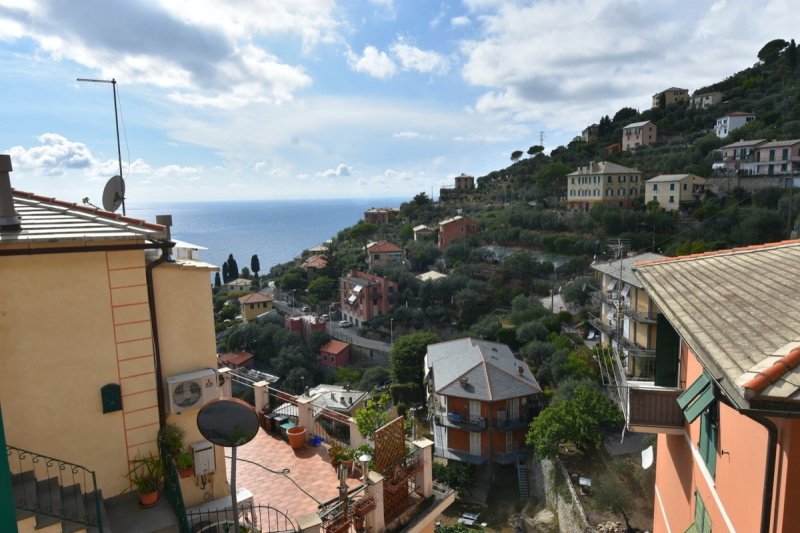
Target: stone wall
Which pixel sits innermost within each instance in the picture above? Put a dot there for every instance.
(551, 484)
(722, 186)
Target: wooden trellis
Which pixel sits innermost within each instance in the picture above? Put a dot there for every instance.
(390, 455)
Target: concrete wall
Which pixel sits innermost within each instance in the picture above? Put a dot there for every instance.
(551, 484)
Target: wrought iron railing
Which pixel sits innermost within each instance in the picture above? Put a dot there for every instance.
(639, 316)
(52, 487)
(507, 458)
(511, 422)
(598, 324)
(253, 518)
(459, 421)
(172, 491)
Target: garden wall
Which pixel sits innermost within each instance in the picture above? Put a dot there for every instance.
(551, 484)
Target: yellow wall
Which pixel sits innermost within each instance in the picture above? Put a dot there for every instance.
(70, 324)
(186, 338)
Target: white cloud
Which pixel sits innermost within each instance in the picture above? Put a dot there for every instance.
(52, 156)
(340, 171)
(413, 58)
(405, 135)
(460, 21)
(372, 62)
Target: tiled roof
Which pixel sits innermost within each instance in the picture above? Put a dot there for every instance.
(636, 124)
(673, 177)
(491, 370)
(254, 298)
(776, 144)
(47, 220)
(235, 358)
(334, 346)
(740, 114)
(315, 261)
(422, 227)
(383, 246)
(431, 275)
(604, 167)
(737, 310)
(743, 144)
(624, 269)
(453, 219)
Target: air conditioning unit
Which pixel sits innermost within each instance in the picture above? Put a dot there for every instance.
(192, 389)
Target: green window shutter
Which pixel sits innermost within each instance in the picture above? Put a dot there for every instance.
(704, 399)
(709, 437)
(694, 390)
(667, 353)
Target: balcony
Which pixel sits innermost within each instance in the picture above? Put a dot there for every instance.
(461, 455)
(509, 458)
(507, 423)
(461, 421)
(654, 410)
(601, 296)
(638, 316)
(598, 324)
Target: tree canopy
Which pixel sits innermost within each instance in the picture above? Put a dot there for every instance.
(407, 356)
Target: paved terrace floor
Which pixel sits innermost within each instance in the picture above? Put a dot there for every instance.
(309, 468)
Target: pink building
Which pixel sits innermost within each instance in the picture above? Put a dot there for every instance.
(365, 296)
(383, 253)
(725, 398)
(456, 228)
(639, 134)
(779, 157)
(741, 157)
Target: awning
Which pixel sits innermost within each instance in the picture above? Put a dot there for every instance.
(696, 399)
(357, 288)
(351, 299)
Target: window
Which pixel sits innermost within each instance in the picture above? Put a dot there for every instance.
(376, 257)
(702, 522)
(622, 179)
(610, 179)
(672, 186)
(772, 155)
(671, 199)
(655, 198)
(572, 180)
(684, 186)
(655, 187)
(785, 154)
(609, 192)
(621, 192)
(709, 437)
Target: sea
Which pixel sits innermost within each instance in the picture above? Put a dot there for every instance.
(275, 230)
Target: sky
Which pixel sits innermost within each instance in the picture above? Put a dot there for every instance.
(280, 99)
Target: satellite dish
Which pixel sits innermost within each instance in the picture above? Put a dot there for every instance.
(114, 194)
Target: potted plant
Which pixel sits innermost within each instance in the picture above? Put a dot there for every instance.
(170, 437)
(146, 476)
(184, 462)
(337, 455)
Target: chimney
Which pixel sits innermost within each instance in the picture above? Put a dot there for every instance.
(463, 380)
(166, 221)
(520, 370)
(9, 218)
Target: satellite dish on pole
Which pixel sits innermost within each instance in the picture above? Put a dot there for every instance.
(114, 194)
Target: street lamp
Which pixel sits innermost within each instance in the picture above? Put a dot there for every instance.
(391, 332)
(293, 300)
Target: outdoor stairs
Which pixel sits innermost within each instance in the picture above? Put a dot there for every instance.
(45, 506)
(522, 479)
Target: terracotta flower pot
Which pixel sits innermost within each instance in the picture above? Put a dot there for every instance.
(186, 472)
(148, 499)
(297, 436)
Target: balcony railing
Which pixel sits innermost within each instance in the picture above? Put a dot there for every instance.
(460, 421)
(601, 296)
(638, 316)
(461, 455)
(654, 410)
(598, 324)
(507, 423)
(508, 458)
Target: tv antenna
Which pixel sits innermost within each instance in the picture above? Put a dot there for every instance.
(119, 184)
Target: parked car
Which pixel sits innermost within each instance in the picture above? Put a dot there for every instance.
(305, 309)
(324, 317)
(345, 324)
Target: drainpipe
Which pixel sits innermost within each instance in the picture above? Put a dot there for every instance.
(769, 469)
(165, 220)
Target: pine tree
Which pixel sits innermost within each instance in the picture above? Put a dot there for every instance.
(217, 282)
(255, 266)
(233, 268)
(226, 277)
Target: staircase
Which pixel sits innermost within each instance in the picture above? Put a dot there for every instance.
(54, 496)
(522, 479)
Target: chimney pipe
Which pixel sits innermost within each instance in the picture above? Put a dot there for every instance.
(9, 218)
(166, 221)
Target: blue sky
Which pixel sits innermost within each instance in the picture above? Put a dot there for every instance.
(275, 99)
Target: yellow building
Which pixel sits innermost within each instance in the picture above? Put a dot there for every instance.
(672, 190)
(603, 181)
(99, 327)
(254, 304)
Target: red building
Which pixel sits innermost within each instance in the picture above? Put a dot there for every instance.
(335, 353)
(380, 215)
(456, 228)
(305, 324)
(365, 296)
(236, 360)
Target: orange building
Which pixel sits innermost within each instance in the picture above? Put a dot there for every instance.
(456, 228)
(725, 400)
(482, 399)
(366, 296)
(335, 353)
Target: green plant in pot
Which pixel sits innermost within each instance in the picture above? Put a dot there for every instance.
(170, 437)
(146, 476)
(184, 462)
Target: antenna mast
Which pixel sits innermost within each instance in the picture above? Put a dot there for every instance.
(113, 83)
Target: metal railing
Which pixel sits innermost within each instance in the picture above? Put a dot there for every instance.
(598, 324)
(459, 421)
(252, 518)
(52, 487)
(508, 422)
(172, 490)
(507, 458)
(638, 316)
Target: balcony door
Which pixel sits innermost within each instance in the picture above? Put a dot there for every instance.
(510, 441)
(474, 409)
(474, 443)
(512, 409)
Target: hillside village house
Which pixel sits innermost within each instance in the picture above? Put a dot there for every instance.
(589, 133)
(313, 265)
(671, 96)
(627, 317)
(254, 304)
(335, 354)
(481, 399)
(383, 253)
(305, 324)
(779, 157)
(705, 100)
(366, 296)
(239, 284)
(454, 228)
(741, 158)
(672, 190)
(422, 232)
(603, 181)
(235, 360)
(463, 185)
(639, 134)
(732, 121)
(109, 360)
(726, 409)
(381, 216)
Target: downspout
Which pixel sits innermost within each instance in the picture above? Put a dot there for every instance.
(769, 469)
(166, 220)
